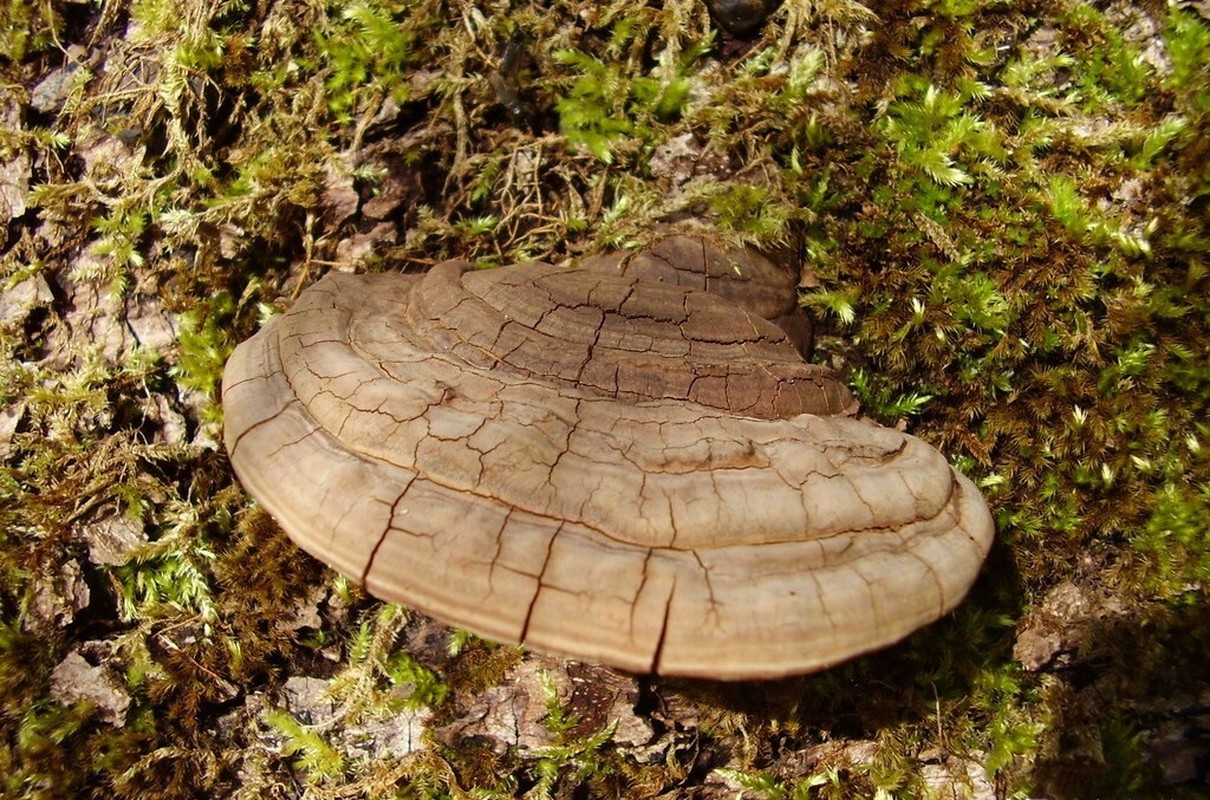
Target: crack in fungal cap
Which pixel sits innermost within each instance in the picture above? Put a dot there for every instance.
(739, 274)
(600, 465)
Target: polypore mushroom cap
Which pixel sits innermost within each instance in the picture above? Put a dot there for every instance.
(598, 466)
(739, 274)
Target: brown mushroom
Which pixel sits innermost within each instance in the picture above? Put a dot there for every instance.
(623, 471)
(739, 274)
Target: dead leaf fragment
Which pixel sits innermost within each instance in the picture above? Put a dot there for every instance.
(18, 302)
(339, 199)
(74, 680)
(10, 418)
(112, 539)
(14, 171)
(57, 599)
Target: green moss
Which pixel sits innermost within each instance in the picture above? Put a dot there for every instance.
(1108, 69)
(584, 760)
(28, 27)
(374, 657)
(368, 49)
(312, 754)
(205, 343)
(607, 105)
(1175, 542)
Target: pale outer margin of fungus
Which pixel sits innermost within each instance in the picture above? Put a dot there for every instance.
(660, 537)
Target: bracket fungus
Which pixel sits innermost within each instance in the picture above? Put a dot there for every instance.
(642, 474)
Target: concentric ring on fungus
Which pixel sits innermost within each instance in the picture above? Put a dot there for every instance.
(600, 466)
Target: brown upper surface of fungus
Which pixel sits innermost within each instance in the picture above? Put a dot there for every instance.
(636, 473)
(739, 274)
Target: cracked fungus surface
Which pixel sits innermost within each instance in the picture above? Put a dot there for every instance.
(596, 465)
